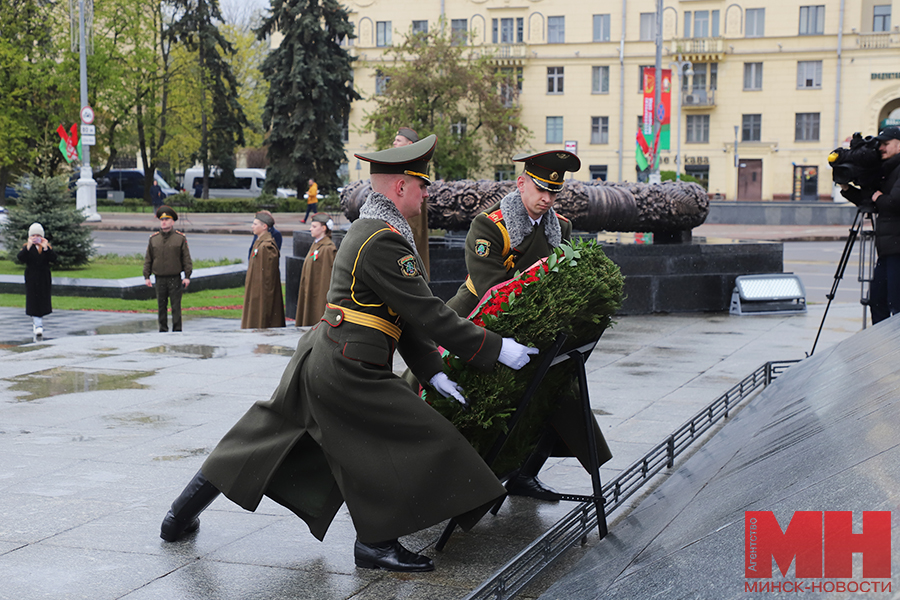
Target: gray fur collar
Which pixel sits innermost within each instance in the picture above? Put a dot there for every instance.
(519, 225)
(378, 206)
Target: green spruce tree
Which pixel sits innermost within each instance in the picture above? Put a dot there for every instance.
(311, 88)
(49, 203)
(222, 119)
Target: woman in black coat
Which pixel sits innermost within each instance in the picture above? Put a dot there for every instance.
(37, 255)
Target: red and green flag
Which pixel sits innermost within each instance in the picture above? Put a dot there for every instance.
(69, 145)
(641, 151)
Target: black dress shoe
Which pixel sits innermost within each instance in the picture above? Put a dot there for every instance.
(531, 487)
(390, 556)
(171, 530)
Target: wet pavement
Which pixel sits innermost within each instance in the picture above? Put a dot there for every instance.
(103, 423)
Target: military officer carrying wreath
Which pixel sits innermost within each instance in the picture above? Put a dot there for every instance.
(341, 427)
(167, 257)
(511, 236)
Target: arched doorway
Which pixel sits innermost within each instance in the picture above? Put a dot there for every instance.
(890, 114)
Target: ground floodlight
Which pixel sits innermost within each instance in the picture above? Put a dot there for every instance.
(775, 293)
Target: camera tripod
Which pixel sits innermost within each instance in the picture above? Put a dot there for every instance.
(866, 264)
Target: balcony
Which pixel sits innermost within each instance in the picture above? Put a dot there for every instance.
(881, 39)
(699, 49)
(698, 98)
(505, 54)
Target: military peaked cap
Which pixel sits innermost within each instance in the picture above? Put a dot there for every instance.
(405, 160)
(166, 212)
(548, 169)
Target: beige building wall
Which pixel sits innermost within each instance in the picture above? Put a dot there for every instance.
(866, 62)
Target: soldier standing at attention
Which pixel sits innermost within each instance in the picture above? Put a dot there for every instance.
(341, 427)
(167, 257)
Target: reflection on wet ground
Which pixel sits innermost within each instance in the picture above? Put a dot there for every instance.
(136, 326)
(192, 350)
(136, 418)
(183, 453)
(270, 349)
(62, 380)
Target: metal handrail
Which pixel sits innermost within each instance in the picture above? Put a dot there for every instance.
(541, 553)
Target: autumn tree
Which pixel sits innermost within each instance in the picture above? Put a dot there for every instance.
(310, 91)
(439, 86)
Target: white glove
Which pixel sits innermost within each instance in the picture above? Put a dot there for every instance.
(514, 355)
(447, 387)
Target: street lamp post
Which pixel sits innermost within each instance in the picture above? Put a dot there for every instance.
(86, 194)
(679, 65)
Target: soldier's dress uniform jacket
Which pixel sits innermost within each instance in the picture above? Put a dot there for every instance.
(341, 427)
(501, 241)
(168, 255)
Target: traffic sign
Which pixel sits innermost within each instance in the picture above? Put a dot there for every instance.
(88, 140)
(87, 114)
(88, 130)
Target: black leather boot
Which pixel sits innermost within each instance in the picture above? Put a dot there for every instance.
(182, 518)
(390, 556)
(524, 482)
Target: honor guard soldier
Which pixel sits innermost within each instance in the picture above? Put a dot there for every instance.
(341, 427)
(511, 236)
(167, 257)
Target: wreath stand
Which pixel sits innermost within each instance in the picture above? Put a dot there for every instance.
(553, 357)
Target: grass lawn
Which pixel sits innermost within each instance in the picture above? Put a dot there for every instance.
(108, 266)
(224, 304)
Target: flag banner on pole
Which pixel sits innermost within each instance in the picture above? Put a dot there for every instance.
(69, 145)
(641, 150)
(665, 101)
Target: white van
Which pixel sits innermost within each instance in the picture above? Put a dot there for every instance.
(248, 183)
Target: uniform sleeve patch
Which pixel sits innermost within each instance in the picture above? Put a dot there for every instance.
(482, 247)
(495, 216)
(409, 267)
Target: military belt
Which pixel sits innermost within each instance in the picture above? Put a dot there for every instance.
(366, 320)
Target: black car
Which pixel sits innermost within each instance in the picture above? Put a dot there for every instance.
(129, 181)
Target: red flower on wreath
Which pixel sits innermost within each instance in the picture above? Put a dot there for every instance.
(501, 294)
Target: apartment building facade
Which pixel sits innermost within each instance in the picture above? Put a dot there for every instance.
(767, 88)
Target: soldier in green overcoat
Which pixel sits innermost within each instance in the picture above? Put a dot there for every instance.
(341, 427)
(510, 236)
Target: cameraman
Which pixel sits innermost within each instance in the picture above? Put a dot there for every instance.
(885, 201)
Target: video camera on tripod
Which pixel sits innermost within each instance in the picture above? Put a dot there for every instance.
(857, 165)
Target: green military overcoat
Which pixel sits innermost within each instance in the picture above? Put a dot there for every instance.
(341, 427)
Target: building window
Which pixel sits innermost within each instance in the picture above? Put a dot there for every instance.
(504, 173)
(381, 81)
(756, 22)
(600, 80)
(555, 80)
(697, 129)
(459, 128)
(809, 74)
(345, 130)
(598, 172)
(648, 27)
(700, 77)
(420, 26)
(687, 23)
(601, 28)
(554, 130)
(511, 85)
(807, 128)
(812, 20)
(881, 20)
(753, 76)
(713, 76)
(459, 31)
(714, 26)
(599, 130)
(508, 31)
(556, 30)
(701, 23)
(751, 128)
(383, 33)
